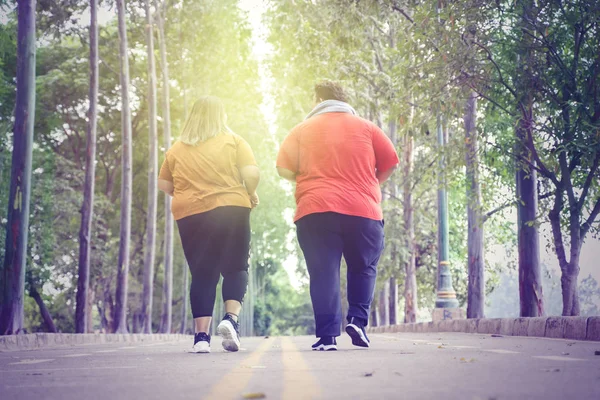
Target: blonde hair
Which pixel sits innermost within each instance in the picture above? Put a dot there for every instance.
(207, 119)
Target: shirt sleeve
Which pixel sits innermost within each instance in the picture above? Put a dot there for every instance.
(288, 156)
(165, 172)
(386, 156)
(245, 156)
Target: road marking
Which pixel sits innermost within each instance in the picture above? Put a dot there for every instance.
(461, 347)
(559, 358)
(76, 355)
(231, 385)
(154, 344)
(105, 351)
(501, 351)
(298, 381)
(27, 362)
(63, 369)
(127, 348)
(390, 337)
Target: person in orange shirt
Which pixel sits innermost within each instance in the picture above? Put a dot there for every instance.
(338, 160)
(212, 176)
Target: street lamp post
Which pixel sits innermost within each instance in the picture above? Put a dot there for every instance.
(446, 296)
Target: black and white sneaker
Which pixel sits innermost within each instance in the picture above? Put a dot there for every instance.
(201, 343)
(356, 330)
(229, 331)
(326, 343)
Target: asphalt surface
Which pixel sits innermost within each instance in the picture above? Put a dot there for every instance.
(397, 366)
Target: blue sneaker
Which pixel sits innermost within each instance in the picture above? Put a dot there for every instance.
(201, 343)
(325, 343)
(229, 331)
(356, 330)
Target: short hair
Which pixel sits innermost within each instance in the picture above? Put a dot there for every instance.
(207, 119)
(329, 90)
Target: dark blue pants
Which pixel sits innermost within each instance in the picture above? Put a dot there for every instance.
(324, 238)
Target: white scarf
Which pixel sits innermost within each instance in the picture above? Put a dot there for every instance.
(331, 106)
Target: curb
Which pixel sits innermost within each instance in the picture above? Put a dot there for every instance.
(51, 340)
(574, 328)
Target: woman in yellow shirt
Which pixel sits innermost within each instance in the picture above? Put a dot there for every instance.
(211, 174)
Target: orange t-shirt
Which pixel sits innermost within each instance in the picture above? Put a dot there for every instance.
(207, 176)
(335, 157)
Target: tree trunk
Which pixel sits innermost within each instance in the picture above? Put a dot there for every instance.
(410, 285)
(475, 261)
(569, 269)
(43, 310)
(166, 317)
(393, 188)
(184, 306)
(393, 301)
(120, 322)
(150, 248)
(374, 317)
(12, 284)
(384, 304)
(530, 283)
(87, 210)
(90, 306)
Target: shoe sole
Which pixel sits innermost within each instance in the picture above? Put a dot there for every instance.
(357, 336)
(325, 347)
(229, 336)
(201, 348)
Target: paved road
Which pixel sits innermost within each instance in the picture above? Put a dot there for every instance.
(397, 366)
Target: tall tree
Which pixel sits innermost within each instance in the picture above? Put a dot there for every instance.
(13, 273)
(150, 248)
(166, 316)
(120, 321)
(530, 279)
(410, 282)
(475, 244)
(87, 210)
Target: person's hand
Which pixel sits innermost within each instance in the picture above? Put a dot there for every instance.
(254, 200)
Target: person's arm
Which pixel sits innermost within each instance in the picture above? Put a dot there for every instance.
(251, 178)
(383, 176)
(386, 157)
(165, 179)
(166, 186)
(288, 157)
(246, 164)
(286, 174)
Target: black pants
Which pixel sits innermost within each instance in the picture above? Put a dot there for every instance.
(324, 238)
(215, 243)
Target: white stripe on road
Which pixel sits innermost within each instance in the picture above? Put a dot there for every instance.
(27, 362)
(501, 351)
(29, 371)
(559, 358)
(127, 348)
(154, 344)
(462, 347)
(76, 355)
(105, 351)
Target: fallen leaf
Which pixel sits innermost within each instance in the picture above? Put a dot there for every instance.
(369, 374)
(257, 395)
(565, 354)
(398, 373)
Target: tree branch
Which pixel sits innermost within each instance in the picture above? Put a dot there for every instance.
(588, 223)
(489, 214)
(554, 217)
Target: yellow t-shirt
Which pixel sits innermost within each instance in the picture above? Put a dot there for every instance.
(207, 176)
